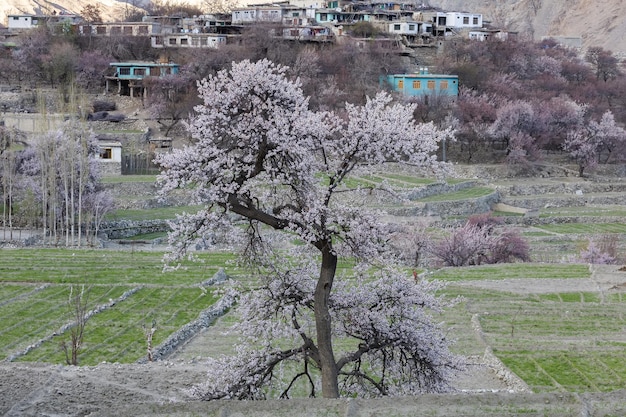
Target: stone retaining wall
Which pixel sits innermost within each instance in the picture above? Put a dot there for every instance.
(124, 229)
(204, 320)
(440, 188)
(450, 208)
(567, 201)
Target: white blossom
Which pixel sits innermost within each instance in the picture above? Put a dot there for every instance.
(262, 158)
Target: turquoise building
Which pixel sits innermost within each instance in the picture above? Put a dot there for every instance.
(424, 84)
(128, 75)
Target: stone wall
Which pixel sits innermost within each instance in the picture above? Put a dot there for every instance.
(109, 168)
(449, 208)
(124, 229)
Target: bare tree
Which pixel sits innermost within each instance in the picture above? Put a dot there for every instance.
(77, 307)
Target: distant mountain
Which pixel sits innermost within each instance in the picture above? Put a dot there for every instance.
(597, 22)
(110, 10)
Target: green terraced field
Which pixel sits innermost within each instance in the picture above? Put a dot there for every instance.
(35, 288)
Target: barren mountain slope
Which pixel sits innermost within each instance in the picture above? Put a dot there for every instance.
(111, 10)
(597, 22)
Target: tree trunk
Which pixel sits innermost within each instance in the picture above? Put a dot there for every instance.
(330, 387)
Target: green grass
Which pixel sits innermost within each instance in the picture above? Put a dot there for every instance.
(149, 236)
(120, 179)
(161, 213)
(594, 211)
(468, 193)
(506, 214)
(584, 228)
(535, 233)
(117, 334)
(35, 287)
(556, 342)
(516, 270)
(27, 320)
(412, 181)
(99, 267)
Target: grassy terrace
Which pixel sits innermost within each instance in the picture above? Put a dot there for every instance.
(119, 179)
(469, 193)
(560, 341)
(584, 228)
(516, 270)
(556, 342)
(598, 211)
(161, 213)
(35, 285)
(535, 335)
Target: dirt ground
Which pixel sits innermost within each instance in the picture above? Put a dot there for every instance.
(158, 388)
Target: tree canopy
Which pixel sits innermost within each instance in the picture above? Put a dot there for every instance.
(262, 158)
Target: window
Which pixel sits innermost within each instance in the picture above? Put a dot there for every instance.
(400, 84)
(323, 17)
(431, 84)
(106, 153)
(184, 41)
(128, 30)
(124, 71)
(203, 41)
(475, 20)
(411, 27)
(396, 27)
(142, 30)
(417, 85)
(101, 30)
(158, 40)
(195, 41)
(172, 41)
(140, 71)
(116, 30)
(443, 85)
(466, 20)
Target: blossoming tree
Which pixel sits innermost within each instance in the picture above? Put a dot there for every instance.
(261, 157)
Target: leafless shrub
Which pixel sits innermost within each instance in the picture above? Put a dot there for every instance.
(77, 307)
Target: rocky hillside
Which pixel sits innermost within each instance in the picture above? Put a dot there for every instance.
(596, 22)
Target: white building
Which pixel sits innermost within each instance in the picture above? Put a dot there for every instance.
(410, 28)
(18, 22)
(483, 35)
(187, 40)
(458, 20)
(22, 21)
(110, 151)
(247, 15)
(110, 157)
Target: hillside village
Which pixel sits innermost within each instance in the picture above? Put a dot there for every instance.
(401, 23)
(404, 28)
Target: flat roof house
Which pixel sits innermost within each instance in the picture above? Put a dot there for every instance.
(129, 75)
(424, 84)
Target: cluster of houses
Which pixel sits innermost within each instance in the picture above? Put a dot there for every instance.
(400, 21)
(304, 20)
